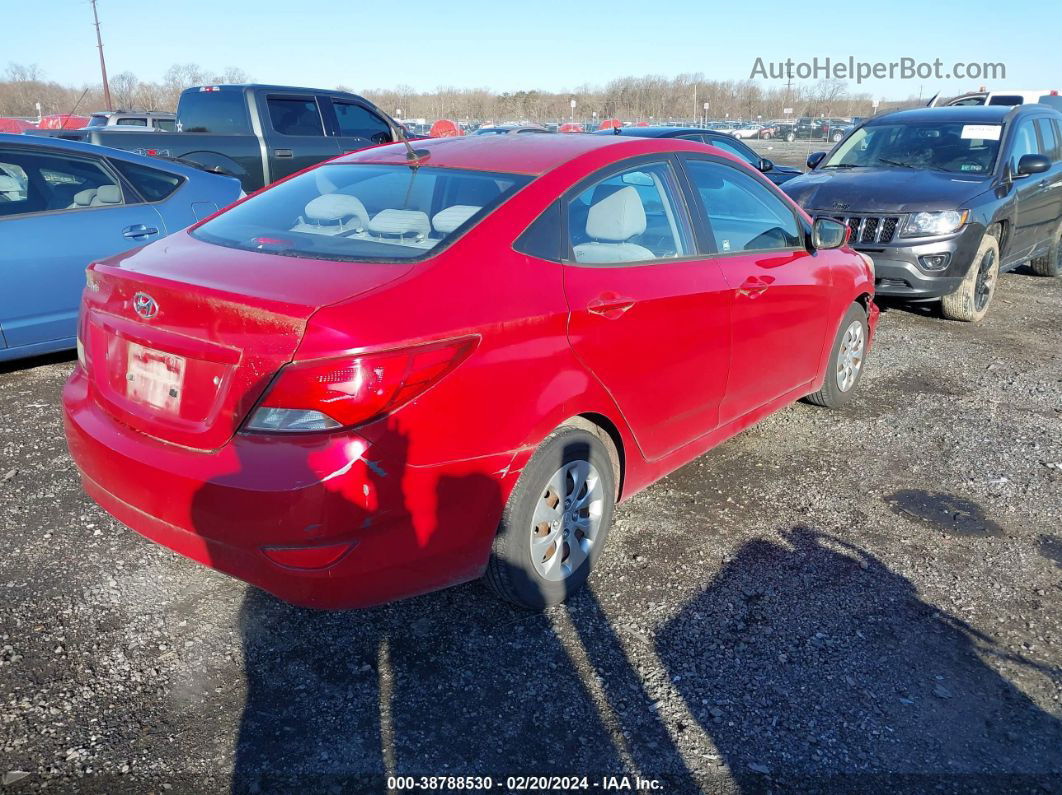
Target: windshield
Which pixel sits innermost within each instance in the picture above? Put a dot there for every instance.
(362, 212)
(952, 147)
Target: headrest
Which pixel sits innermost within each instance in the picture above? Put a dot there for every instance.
(108, 194)
(84, 198)
(9, 184)
(617, 217)
(448, 220)
(336, 208)
(400, 223)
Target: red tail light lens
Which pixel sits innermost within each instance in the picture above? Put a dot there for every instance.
(341, 393)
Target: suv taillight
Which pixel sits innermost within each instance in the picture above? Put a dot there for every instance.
(353, 390)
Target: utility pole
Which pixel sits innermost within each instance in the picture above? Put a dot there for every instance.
(103, 64)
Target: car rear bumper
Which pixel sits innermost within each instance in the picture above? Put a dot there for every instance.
(398, 530)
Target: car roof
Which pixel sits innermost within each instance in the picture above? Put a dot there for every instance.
(514, 154)
(66, 145)
(653, 132)
(974, 114)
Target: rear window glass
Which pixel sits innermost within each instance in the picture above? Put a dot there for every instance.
(362, 212)
(152, 184)
(220, 112)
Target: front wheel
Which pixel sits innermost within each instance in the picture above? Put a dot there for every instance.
(790, 137)
(969, 302)
(845, 368)
(837, 137)
(556, 521)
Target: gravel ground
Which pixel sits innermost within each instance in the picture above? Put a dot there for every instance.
(867, 599)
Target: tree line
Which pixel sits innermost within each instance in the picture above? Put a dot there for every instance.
(647, 98)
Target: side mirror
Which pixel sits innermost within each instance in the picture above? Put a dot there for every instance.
(1033, 164)
(827, 233)
(814, 159)
(765, 165)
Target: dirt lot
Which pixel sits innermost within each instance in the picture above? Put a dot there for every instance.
(867, 599)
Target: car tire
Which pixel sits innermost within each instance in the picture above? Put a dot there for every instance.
(847, 361)
(1050, 264)
(837, 137)
(970, 301)
(566, 493)
(790, 137)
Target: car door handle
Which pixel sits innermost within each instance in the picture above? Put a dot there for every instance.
(282, 153)
(609, 305)
(755, 286)
(137, 231)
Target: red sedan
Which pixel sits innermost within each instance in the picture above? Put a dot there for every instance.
(405, 369)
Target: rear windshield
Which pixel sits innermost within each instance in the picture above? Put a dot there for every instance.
(362, 212)
(954, 147)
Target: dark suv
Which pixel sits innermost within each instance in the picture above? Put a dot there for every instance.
(944, 199)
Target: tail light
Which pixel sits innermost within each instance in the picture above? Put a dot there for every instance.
(341, 393)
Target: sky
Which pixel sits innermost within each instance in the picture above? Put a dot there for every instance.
(555, 46)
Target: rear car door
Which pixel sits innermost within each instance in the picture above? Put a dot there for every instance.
(71, 209)
(1050, 136)
(781, 293)
(355, 125)
(649, 315)
(295, 134)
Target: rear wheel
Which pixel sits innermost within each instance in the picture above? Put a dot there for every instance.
(837, 137)
(970, 301)
(1051, 263)
(556, 521)
(790, 137)
(845, 368)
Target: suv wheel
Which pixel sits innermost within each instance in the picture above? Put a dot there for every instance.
(556, 521)
(845, 368)
(837, 137)
(1050, 264)
(790, 136)
(970, 301)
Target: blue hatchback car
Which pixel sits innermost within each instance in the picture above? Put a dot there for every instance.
(64, 204)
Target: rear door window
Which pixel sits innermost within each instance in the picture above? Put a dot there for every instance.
(52, 182)
(634, 216)
(295, 116)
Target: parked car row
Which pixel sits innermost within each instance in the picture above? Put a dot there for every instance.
(262, 391)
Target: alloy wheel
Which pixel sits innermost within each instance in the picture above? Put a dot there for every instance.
(986, 281)
(850, 356)
(566, 520)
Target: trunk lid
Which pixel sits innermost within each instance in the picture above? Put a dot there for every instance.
(182, 337)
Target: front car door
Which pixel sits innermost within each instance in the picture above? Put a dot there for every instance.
(649, 315)
(296, 136)
(781, 293)
(1037, 207)
(355, 125)
(69, 210)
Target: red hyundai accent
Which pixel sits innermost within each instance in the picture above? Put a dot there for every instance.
(405, 369)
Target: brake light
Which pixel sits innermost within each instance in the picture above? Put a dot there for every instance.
(349, 391)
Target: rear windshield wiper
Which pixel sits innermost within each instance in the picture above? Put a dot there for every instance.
(888, 162)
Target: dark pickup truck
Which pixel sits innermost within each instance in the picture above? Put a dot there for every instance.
(256, 133)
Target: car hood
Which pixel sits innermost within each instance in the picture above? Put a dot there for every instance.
(894, 190)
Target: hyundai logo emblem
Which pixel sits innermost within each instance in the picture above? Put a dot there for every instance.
(145, 306)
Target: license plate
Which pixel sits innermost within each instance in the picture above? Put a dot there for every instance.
(154, 378)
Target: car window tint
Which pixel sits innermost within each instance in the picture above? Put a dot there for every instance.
(166, 125)
(543, 238)
(132, 122)
(744, 215)
(1025, 143)
(360, 122)
(1049, 137)
(220, 112)
(729, 146)
(291, 116)
(53, 182)
(152, 184)
(693, 137)
(632, 216)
